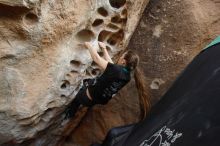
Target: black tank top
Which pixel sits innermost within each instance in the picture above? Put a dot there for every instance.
(109, 83)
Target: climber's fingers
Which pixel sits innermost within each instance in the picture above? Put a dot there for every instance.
(88, 45)
(102, 45)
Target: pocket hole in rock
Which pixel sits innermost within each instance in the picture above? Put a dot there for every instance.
(30, 18)
(111, 41)
(108, 48)
(62, 95)
(116, 19)
(117, 3)
(12, 11)
(8, 56)
(119, 35)
(74, 73)
(68, 75)
(97, 22)
(102, 11)
(124, 20)
(116, 37)
(96, 72)
(124, 13)
(103, 35)
(101, 54)
(93, 63)
(85, 35)
(87, 73)
(112, 26)
(65, 84)
(75, 63)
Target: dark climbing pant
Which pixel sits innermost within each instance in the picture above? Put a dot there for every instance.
(115, 135)
(81, 98)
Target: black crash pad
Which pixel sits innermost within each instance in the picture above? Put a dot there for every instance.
(189, 113)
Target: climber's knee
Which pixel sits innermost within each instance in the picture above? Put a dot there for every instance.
(83, 97)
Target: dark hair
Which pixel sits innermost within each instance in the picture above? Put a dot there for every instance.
(132, 62)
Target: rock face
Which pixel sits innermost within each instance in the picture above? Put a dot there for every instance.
(43, 61)
(169, 35)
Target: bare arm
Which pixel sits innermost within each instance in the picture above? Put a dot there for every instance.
(105, 52)
(102, 63)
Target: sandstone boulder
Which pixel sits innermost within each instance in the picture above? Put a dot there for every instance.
(169, 35)
(43, 61)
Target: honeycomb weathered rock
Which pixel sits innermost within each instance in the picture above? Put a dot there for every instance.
(43, 61)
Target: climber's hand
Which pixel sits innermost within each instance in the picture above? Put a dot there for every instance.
(88, 45)
(104, 50)
(102, 45)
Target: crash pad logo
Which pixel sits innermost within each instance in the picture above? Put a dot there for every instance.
(164, 137)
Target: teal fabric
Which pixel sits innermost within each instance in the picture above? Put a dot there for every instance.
(216, 41)
(126, 70)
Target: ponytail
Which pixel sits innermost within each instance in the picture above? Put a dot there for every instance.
(143, 92)
(132, 61)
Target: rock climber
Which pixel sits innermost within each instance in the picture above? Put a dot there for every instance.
(114, 77)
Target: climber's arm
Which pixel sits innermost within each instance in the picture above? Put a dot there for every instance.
(102, 63)
(105, 52)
